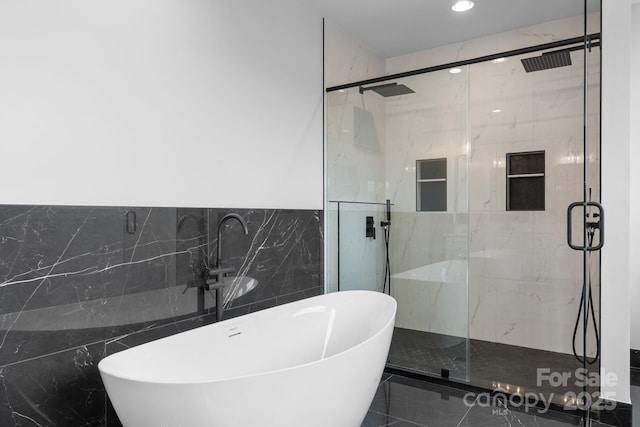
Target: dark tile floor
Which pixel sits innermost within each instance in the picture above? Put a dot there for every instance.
(492, 365)
(405, 402)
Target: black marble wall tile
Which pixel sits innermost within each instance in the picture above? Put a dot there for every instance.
(239, 310)
(634, 356)
(283, 251)
(94, 271)
(134, 339)
(164, 239)
(61, 389)
(54, 255)
(74, 278)
(191, 245)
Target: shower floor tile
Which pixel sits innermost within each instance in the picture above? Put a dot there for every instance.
(492, 365)
(406, 402)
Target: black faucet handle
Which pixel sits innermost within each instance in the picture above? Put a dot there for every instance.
(216, 272)
(213, 284)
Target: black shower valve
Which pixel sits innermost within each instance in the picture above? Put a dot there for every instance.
(370, 228)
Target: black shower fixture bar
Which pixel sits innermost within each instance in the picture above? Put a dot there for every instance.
(576, 43)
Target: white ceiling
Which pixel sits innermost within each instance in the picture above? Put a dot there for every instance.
(395, 27)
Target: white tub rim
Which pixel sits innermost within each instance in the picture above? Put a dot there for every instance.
(266, 372)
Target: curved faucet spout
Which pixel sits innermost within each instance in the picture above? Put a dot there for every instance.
(220, 224)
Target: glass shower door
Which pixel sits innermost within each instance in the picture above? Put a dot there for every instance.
(399, 150)
(426, 177)
(534, 124)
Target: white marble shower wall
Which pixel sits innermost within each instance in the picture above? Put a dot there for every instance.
(523, 281)
(356, 262)
(355, 146)
(355, 189)
(496, 43)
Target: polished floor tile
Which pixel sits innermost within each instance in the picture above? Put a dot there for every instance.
(488, 364)
(405, 402)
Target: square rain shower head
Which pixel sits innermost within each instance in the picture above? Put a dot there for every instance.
(389, 89)
(547, 61)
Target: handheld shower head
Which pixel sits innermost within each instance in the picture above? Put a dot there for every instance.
(387, 223)
(388, 211)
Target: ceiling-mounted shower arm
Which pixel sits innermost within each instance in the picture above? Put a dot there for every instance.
(363, 89)
(387, 89)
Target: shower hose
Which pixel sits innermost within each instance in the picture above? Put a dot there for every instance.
(589, 308)
(387, 268)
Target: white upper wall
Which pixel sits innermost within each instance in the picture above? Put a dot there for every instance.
(161, 103)
(634, 191)
(616, 173)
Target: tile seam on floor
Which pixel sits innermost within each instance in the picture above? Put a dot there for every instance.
(468, 410)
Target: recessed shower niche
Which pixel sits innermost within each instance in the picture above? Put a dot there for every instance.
(525, 181)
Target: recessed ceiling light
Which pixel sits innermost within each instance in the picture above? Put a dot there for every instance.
(455, 70)
(462, 6)
(496, 110)
(499, 60)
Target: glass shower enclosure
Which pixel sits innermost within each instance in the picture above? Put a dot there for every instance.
(410, 149)
(450, 187)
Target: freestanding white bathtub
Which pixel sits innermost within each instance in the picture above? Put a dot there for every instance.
(314, 362)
